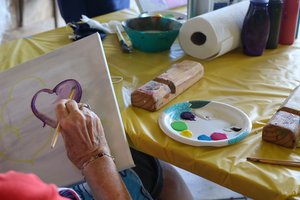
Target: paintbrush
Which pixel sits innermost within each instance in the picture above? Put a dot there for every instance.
(57, 130)
(275, 162)
(126, 46)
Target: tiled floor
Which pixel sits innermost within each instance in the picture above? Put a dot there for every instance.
(29, 30)
(203, 189)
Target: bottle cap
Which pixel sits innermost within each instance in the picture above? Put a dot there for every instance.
(276, 1)
(260, 1)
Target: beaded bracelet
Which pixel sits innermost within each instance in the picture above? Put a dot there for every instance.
(93, 158)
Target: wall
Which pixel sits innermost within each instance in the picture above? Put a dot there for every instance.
(38, 16)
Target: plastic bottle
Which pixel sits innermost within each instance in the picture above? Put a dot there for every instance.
(256, 28)
(289, 21)
(275, 12)
(297, 28)
(198, 7)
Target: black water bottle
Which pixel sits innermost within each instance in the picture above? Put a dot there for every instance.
(275, 13)
(256, 28)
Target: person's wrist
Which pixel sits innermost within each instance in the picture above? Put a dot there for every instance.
(102, 156)
(79, 161)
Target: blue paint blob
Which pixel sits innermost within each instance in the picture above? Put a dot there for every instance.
(204, 137)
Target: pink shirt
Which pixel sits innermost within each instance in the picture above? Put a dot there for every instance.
(21, 186)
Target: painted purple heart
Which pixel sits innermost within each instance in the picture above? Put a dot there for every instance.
(62, 90)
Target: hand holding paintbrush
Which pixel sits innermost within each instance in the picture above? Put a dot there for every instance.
(57, 130)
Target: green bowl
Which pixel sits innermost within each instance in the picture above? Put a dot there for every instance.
(152, 34)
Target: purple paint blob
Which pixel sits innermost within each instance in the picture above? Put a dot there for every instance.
(187, 116)
(218, 136)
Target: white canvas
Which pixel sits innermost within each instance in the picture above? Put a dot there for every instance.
(24, 143)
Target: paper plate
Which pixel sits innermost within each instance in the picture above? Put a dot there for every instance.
(205, 123)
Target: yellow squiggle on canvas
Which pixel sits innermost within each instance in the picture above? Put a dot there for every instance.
(15, 132)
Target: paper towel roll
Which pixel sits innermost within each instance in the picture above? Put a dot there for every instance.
(215, 33)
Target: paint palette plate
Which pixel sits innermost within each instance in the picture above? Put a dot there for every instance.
(205, 123)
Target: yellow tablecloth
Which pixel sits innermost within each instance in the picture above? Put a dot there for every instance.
(256, 85)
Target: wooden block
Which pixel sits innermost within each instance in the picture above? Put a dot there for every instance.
(151, 96)
(283, 129)
(158, 92)
(292, 103)
(181, 75)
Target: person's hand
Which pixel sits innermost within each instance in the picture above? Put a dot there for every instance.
(82, 132)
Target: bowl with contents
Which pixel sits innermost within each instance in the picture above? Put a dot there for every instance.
(153, 33)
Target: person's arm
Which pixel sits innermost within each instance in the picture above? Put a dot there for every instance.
(103, 180)
(87, 148)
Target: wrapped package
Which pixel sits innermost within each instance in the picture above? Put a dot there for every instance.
(283, 128)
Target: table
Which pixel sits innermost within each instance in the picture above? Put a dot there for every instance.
(256, 85)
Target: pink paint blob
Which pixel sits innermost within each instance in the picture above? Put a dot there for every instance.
(218, 136)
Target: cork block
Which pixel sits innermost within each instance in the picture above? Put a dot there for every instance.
(165, 87)
(283, 129)
(292, 103)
